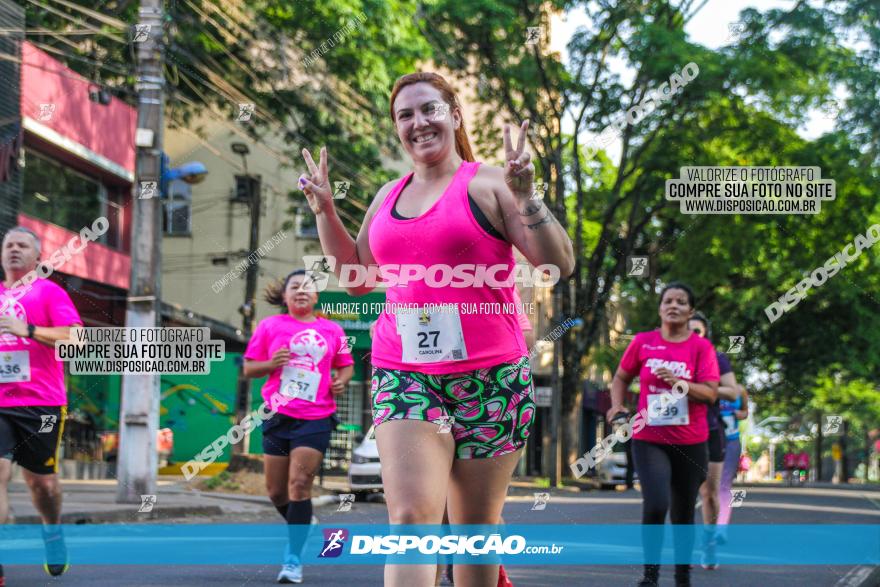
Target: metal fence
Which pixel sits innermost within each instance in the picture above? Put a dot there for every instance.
(349, 410)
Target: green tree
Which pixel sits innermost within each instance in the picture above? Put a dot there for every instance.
(742, 109)
(318, 73)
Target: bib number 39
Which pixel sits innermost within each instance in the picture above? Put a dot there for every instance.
(665, 410)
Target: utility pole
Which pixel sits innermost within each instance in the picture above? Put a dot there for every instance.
(248, 308)
(139, 418)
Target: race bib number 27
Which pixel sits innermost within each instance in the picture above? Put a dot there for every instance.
(430, 337)
(15, 367)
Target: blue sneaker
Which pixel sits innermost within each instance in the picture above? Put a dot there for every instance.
(291, 571)
(56, 551)
(709, 560)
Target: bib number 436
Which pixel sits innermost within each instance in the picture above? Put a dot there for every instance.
(15, 367)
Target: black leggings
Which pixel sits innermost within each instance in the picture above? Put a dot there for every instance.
(670, 475)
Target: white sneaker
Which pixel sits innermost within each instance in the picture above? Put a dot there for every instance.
(291, 574)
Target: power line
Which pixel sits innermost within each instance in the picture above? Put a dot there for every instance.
(354, 175)
(108, 20)
(212, 112)
(285, 159)
(100, 64)
(10, 30)
(78, 21)
(79, 78)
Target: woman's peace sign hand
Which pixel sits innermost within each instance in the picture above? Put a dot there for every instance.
(317, 185)
(518, 169)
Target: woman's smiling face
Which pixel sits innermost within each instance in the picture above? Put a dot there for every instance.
(425, 122)
(301, 295)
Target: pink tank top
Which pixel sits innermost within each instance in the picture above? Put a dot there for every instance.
(447, 234)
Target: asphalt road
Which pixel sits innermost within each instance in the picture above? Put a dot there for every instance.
(762, 506)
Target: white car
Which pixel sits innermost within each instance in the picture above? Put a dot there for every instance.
(365, 471)
(611, 470)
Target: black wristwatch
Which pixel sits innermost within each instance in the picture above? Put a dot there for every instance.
(31, 330)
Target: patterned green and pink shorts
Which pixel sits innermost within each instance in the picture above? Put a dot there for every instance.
(490, 410)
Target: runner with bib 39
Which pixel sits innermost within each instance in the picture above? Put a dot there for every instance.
(669, 441)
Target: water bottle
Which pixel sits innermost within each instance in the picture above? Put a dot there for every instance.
(618, 421)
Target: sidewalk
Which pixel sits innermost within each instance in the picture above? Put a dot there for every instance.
(865, 487)
(94, 501)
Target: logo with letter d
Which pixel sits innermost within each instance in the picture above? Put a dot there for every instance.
(334, 542)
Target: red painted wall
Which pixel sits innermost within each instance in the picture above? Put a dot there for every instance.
(106, 130)
(96, 262)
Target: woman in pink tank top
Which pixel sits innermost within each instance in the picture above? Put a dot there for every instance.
(448, 350)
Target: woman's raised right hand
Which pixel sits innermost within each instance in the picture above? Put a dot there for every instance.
(317, 185)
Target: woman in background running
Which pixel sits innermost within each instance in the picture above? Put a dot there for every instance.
(670, 432)
(297, 350)
(732, 411)
(709, 490)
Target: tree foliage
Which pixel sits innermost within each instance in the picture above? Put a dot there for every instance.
(745, 108)
(317, 73)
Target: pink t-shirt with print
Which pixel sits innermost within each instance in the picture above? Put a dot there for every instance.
(314, 347)
(693, 360)
(45, 303)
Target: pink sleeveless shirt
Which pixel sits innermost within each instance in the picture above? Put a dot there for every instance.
(447, 234)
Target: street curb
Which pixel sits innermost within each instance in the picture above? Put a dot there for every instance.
(317, 501)
(173, 512)
(872, 488)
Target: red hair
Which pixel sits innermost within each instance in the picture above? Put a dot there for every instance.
(462, 144)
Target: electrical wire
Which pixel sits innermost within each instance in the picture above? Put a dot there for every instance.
(78, 21)
(108, 20)
(100, 64)
(16, 59)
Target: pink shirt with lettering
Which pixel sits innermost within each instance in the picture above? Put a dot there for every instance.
(45, 303)
(693, 360)
(314, 346)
